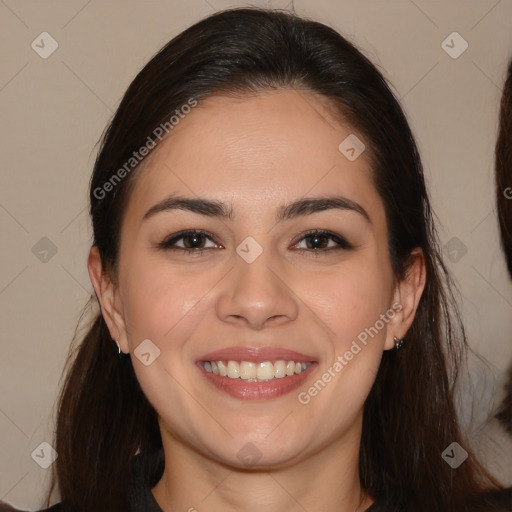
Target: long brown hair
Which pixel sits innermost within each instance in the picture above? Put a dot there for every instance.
(503, 166)
(103, 417)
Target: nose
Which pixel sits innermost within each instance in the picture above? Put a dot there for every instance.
(257, 294)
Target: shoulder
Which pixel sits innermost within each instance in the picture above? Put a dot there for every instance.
(499, 500)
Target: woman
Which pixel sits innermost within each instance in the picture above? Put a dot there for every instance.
(266, 261)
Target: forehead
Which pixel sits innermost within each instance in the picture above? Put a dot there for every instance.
(268, 147)
(268, 128)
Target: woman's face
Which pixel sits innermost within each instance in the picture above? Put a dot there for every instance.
(256, 282)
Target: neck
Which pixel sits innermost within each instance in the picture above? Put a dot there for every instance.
(328, 482)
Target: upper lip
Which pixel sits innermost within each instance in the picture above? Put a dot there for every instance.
(256, 354)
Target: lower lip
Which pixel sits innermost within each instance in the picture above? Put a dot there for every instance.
(257, 390)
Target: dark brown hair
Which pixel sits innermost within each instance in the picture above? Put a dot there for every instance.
(409, 417)
(503, 166)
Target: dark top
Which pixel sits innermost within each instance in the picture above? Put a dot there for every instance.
(148, 467)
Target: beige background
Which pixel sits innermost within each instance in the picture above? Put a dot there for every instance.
(54, 111)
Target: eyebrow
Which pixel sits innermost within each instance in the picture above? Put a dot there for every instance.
(301, 207)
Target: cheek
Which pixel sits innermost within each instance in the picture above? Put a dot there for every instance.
(156, 299)
(350, 300)
(350, 305)
(166, 308)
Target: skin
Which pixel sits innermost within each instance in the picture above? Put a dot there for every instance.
(256, 154)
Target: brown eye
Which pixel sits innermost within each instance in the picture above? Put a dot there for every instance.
(317, 242)
(321, 241)
(194, 241)
(189, 241)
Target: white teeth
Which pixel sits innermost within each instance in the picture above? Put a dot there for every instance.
(233, 370)
(279, 369)
(265, 371)
(223, 371)
(247, 370)
(255, 372)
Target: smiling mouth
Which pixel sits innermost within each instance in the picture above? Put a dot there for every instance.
(250, 371)
(249, 380)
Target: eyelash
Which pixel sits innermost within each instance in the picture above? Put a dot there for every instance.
(168, 243)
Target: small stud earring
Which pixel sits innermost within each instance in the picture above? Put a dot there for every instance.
(398, 342)
(118, 346)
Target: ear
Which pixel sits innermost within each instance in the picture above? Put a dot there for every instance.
(406, 297)
(108, 298)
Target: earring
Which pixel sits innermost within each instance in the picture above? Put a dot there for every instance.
(120, 355)
(398, 342)
(118, 346)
